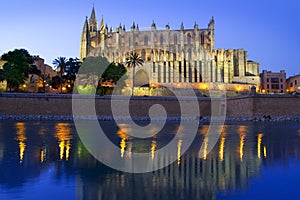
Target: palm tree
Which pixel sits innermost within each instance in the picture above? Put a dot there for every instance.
(60, 64)
(133, 61)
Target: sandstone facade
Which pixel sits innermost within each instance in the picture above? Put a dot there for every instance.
(171, 56)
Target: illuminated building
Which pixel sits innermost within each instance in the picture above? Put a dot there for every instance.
(293, 83)
(273, 82)
(170, 56)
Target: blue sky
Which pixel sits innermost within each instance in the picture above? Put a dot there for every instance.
(268, 30)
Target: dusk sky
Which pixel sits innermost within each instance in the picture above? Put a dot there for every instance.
(268, 30)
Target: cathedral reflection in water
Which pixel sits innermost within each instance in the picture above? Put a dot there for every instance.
(27, 149)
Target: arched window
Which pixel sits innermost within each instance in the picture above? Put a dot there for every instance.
(146, 40)
(161, 38)
(189, 38)
(175, 39)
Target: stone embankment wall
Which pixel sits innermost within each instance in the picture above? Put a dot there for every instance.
(61, 105)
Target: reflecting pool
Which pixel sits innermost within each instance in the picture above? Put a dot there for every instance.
(47, 160)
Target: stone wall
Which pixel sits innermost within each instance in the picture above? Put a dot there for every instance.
(243, 106)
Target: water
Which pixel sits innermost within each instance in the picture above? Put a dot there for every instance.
(46, 160)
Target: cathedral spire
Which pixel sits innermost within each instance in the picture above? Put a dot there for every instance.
(211, 23)
(93, 21)
(85, 29)
(84, 43)
(101, 29)
(181, 26)
(93, 15)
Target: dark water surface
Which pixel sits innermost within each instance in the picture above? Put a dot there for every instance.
(46, 160)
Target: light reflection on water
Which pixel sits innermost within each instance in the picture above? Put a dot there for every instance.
(46, 160)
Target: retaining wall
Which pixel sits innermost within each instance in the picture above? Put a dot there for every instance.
(243, 106)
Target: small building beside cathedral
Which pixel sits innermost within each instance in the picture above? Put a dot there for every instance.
(172, 57)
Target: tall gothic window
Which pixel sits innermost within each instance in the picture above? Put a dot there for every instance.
(175, 39)
(146, 40)
(202, 38)
(161, 38)
(189, 38)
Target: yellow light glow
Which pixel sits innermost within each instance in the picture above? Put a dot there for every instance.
(124, 136)
(68, 147)
(239, 88)
(43, 155)
(203, 150)
(122, 147)
(64, 88)
(299, 88)
(222, 146)
(24, 85)
(21, 137)
(204, 86)
(259, 139)
(263, 91)
(69, 86)
(242, 143)
(61, 149)
(179, 143)
(204, 130)
(153, 148)
(22, 147)
(63, 135)
(265, 151)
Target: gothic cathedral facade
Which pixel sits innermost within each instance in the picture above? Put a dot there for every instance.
(170, 56)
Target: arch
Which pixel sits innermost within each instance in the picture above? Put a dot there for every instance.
(141, 78)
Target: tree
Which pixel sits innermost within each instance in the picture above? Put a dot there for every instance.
(60, 64)
(114, 73)
(2, 78)
(45, 78)
(133, 61)
(92, 70)
(17, 68)
(71, 71)
(95, 70)
(55, 82)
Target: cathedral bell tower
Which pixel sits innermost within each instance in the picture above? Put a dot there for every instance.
(85, 40)
(211, 28)
(93, 24)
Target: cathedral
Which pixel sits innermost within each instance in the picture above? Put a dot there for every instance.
(171, 57)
